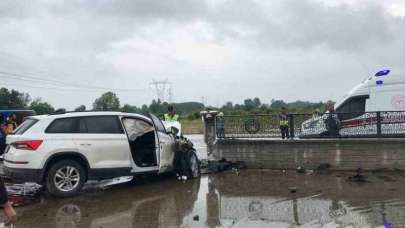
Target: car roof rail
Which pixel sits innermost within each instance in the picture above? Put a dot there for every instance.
(63, 111)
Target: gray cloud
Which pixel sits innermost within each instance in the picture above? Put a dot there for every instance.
(230, 49)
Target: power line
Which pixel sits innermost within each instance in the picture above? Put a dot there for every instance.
(61, 88)
(7, 84)
(29, 78)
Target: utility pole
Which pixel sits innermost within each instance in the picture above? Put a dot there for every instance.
(203, 100)
(170, 94)
(160, 89)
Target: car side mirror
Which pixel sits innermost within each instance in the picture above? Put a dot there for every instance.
(174, 130)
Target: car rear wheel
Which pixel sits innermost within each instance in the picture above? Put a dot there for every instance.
(65, 178)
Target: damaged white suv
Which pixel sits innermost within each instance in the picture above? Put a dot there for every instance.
(63, 151)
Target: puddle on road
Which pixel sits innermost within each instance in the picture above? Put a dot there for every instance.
(252, 199)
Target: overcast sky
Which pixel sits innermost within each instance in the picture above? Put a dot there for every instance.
(223, 50)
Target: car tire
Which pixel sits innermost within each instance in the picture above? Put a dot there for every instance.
(65, 178)
(192, 165)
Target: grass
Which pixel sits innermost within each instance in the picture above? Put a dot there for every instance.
(194, 126)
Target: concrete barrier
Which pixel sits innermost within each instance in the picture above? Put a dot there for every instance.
(341, 154)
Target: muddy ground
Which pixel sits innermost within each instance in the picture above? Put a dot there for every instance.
(249, 198)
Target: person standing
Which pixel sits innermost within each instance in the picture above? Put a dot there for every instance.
(171, 115)
(284, 128)
(11, 124)
(7, 207)
(332, 121)
(220, 123)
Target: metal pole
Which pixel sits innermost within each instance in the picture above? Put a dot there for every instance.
(379, 125)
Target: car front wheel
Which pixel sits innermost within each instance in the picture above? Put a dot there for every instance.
(65, 178)
(193, 169)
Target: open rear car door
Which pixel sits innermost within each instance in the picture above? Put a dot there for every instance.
(165, 145)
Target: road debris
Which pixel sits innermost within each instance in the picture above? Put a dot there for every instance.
(221, 166)
(26, 189)
(104, 184)
(21, 194)
(324, 168)
(359, 177)
(16, 201)
(300, 170)
(292, 189)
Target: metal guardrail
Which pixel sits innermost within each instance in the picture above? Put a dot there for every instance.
(386, 124)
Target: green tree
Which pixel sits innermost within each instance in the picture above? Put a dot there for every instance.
(40, 107)
(144, 109)
(277, 104)
(107, 102)
(13, 99)
(81, 108)
(158, 108)
(228, 105)
(257, 102)
(130, 109)
(249, 104)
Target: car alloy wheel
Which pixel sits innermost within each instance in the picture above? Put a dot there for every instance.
(66, 178)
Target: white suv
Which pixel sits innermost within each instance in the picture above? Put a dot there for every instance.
(63, 151)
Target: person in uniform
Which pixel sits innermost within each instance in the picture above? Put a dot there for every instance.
(284, 128)
(171, 115)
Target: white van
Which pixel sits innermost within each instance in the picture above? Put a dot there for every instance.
(357, 112)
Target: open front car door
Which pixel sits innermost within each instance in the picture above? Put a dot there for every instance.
(165, 145)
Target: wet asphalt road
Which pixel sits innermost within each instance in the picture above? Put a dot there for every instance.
(250, 199)
(253, 198)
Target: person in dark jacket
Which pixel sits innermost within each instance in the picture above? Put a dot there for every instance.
(8, 209)
(332, 120)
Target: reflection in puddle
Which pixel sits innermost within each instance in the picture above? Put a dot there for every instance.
(68, 216)
(252, 199)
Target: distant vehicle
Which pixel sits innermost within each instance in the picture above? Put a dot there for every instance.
(356, 113)
(63, 151)
(21, 115)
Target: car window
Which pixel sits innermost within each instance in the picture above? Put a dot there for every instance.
(136, 127)
(82, 126)
(27, 124)
(63, 125)
(158, 123)
(101, 125)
